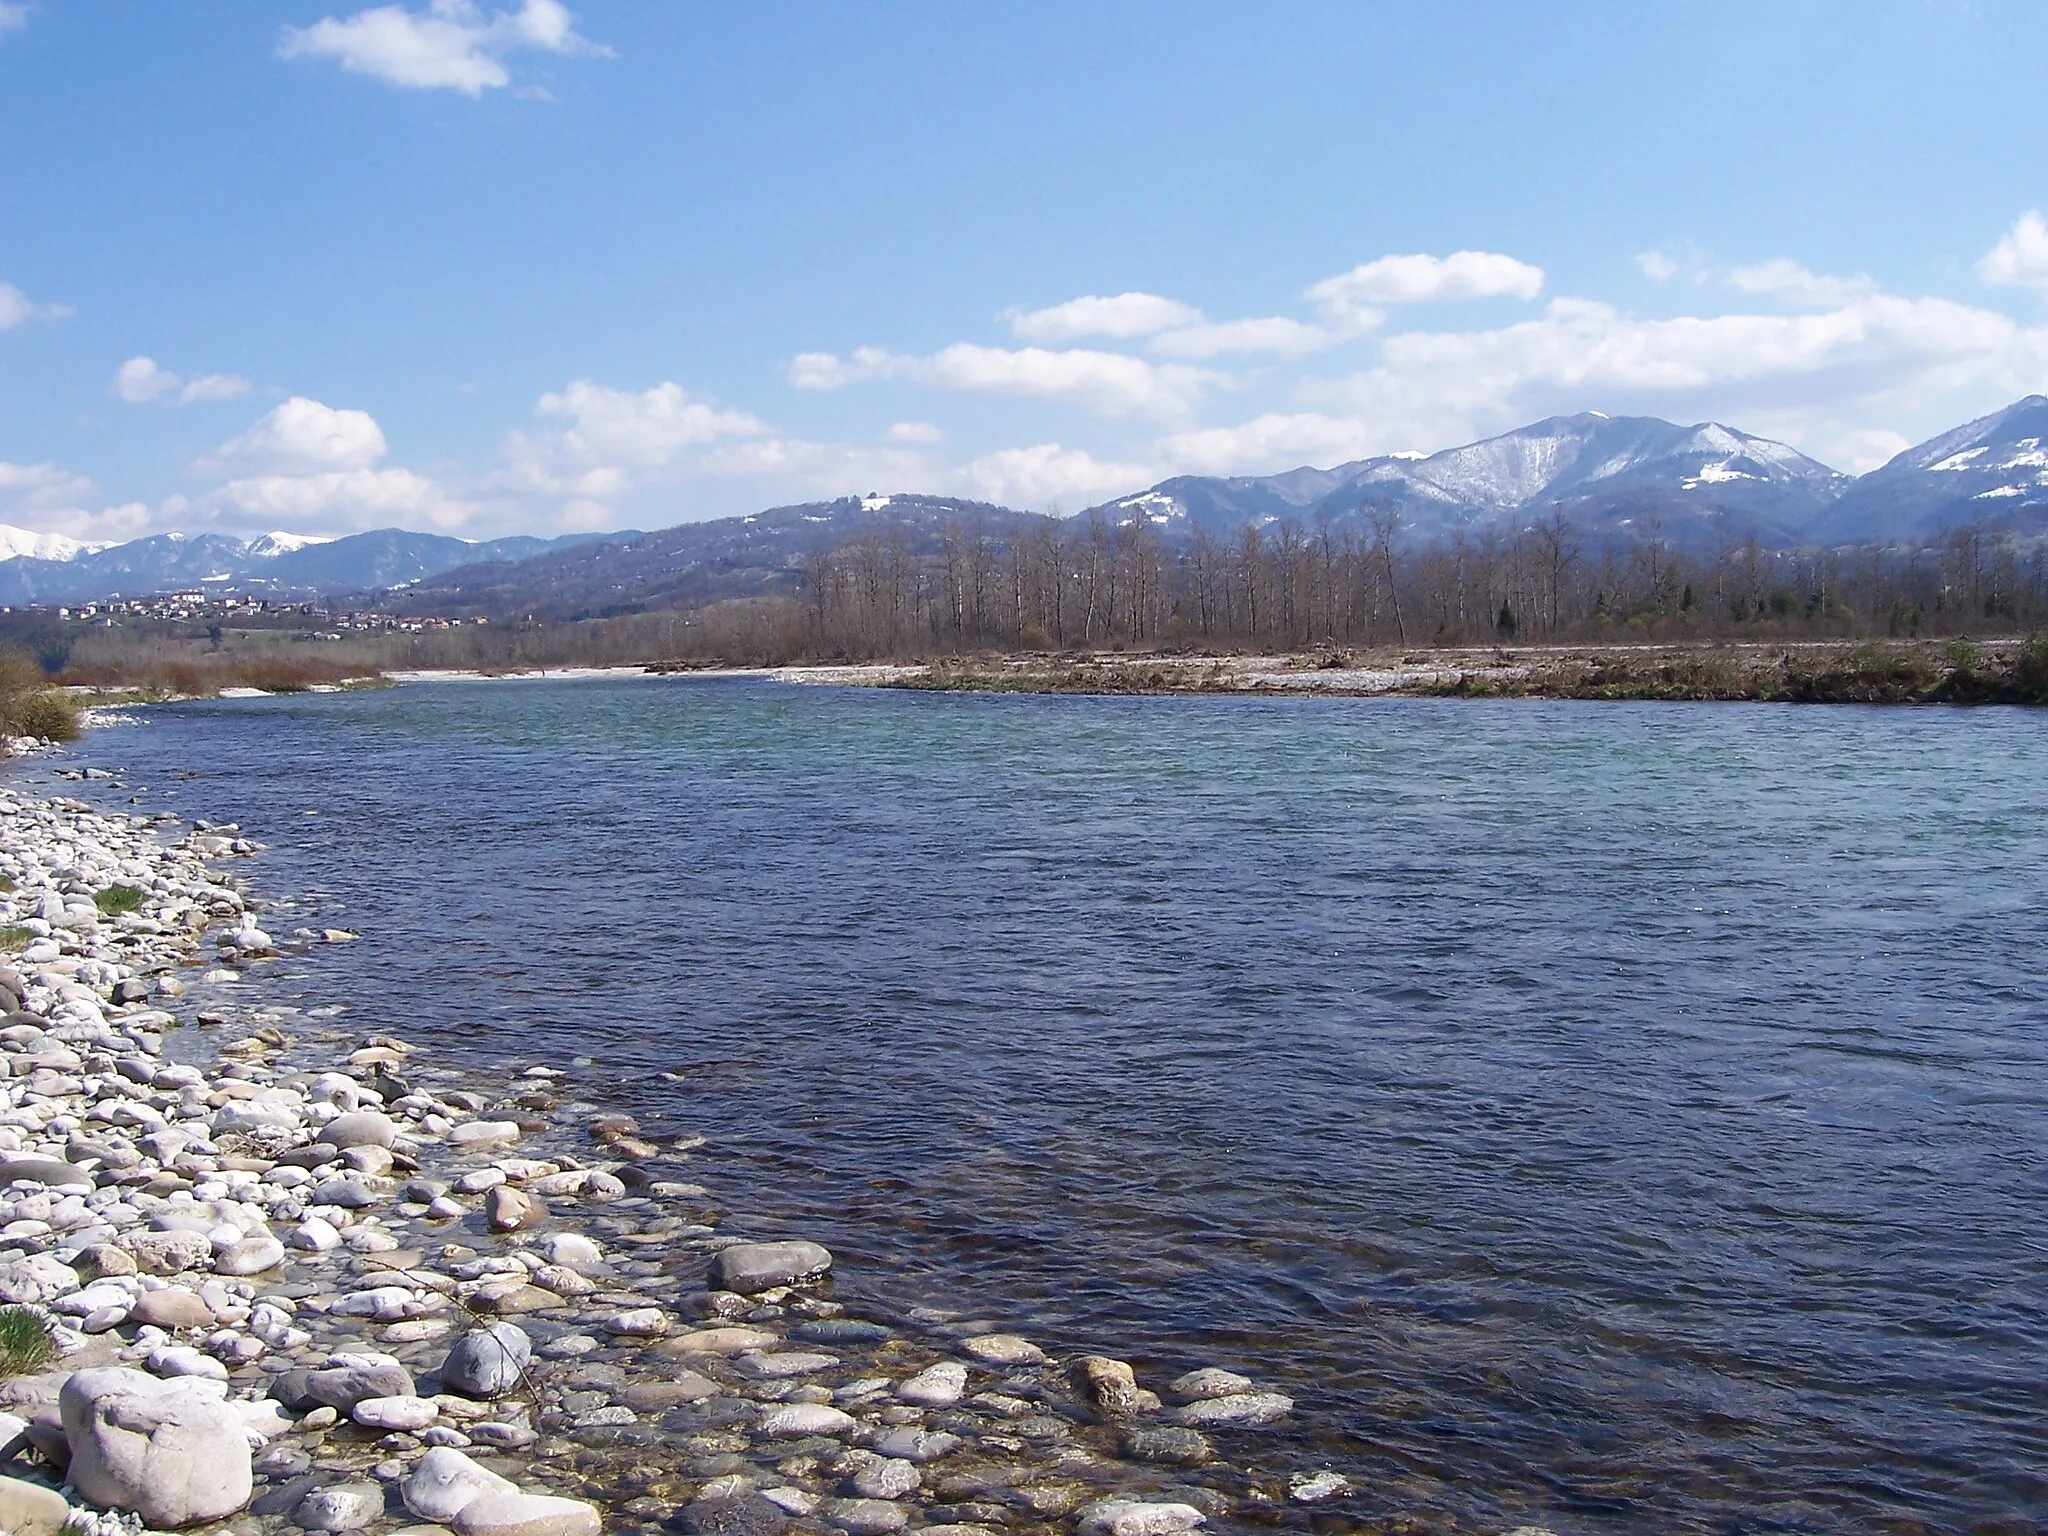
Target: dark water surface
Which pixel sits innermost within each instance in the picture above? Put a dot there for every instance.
(1625, 1118)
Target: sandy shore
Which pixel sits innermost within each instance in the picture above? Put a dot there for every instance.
(306, 1281)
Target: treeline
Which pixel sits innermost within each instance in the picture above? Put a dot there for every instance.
(1290, 586)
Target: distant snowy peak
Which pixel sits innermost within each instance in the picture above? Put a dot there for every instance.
(1995, 467)
(268, 546)
(19, 543)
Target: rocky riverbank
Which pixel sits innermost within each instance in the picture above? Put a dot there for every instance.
(298, 1281)
(2008, 671)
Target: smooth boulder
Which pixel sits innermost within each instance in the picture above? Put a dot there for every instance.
(172, 1451)
(751, 1267)
(487, 1362)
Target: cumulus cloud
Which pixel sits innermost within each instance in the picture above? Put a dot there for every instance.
(17, 308)
(1120, 316)
(2020, 260)
(1353, 297)
(49, 500)
(1810, 378)
(336, 500)
(141, 380)
(1274, 333)
(302, 437)
(917, 434)
(1274, 440)
(451, 45)
(1787, 280)
(1111, 382)
(609, 440)
(1046, 473)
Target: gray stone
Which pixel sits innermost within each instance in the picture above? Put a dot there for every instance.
(1168, 1447)
(1209, 1382)
(914, 1444)
(39, 1277)
(526, 1514)
(488, 1361)
(1005, 1349)
(865, 1517)
(360, 1128)
(748, 1268)
(885, 1477)
(349, 1379)
(42, 1170)
(341, 1507)
(173, 1307)
(172, 1452)
(795, 1421)
(444, 1480)
(936, 1386)
(1133, 1517)
(30, 1509)
(1239, 1408)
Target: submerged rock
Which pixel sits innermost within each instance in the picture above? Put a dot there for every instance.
(748, 1268)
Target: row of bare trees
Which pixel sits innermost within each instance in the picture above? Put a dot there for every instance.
(1290, 586)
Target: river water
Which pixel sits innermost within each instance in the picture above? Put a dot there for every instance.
(1616, 1117)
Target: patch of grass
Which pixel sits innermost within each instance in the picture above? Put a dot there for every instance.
(14, 937)
(25, 1343)
(116, 900)
(6, 885)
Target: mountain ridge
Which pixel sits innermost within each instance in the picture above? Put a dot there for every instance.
(1703, 486)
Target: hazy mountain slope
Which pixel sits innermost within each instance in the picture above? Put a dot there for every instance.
(695, 563)
(1994, 468)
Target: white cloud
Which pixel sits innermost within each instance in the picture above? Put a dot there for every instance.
(141, 380)
(1788, 280)
(213, 386)
(1350, 298)
(1274, 441)
(302, 437)
(611, 440)
(1120, 316)
(2020, 260)
(16, 308)
(1035, 476)
(1274, 333)
(1657, 266)
(1825, 380)
(36, 487)
(350, 499)
(451, 45)
(618, 426)
(13, 17)
(916, 434)
(1038, 476)
(1109, 382)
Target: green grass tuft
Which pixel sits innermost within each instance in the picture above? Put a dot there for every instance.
(25, 1343)
(118, 899)
(13, 936)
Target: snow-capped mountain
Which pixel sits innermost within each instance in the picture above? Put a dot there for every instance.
(1994, 468)
(268, 546)
(15, 542)
(278, 564)
(1699, 483)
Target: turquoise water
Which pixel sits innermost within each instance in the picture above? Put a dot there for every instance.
(1617, 1117)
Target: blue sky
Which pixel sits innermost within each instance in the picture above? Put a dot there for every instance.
(533, 268)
